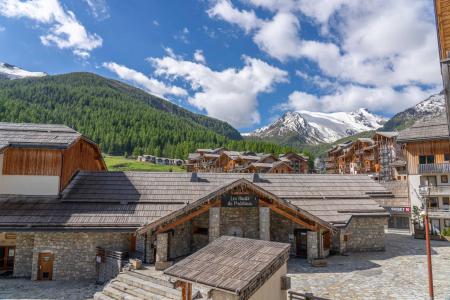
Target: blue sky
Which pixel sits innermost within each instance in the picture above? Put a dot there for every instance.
(242, 61)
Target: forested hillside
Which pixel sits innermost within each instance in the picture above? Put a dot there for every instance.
(121, 118)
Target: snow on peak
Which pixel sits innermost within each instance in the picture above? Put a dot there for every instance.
(319, 127)
(12, 72)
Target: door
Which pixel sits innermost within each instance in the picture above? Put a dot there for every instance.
(45, 271)
(7, 258)
(300, 243)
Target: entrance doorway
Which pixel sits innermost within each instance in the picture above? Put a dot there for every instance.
(7, 258)
(45, 271)
(300, 242)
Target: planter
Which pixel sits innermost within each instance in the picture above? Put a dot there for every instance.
(136, 264)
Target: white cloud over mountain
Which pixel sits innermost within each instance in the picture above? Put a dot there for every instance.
(151, 85)
(375, 51)
(230, 94)
(63, 29)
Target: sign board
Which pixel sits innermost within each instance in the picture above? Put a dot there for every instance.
(229, 200)
(399, 209)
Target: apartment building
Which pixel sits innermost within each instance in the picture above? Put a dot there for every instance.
(426, 146)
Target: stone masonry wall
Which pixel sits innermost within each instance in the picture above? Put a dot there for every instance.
(365, 234)
(281, 228)
(199, 240)
(240, 221)
(74, 253)
(24, 254)
(180, 241)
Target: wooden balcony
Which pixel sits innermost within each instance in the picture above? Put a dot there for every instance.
(434, 168)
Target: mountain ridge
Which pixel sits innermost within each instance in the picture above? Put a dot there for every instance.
(8, 71)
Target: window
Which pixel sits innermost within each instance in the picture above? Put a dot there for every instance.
(428, 180)
(446, 201)
(426, 159)
(435, 226)
(444, 178)
(447, 156)
(433, 202)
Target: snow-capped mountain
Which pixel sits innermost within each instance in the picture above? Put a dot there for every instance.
(431, 107)
(317, 127)
(8, 71)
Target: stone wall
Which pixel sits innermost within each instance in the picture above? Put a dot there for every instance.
(180, 240)
(364, 234)
(24, 254)
(199, 240)
(282, 230)
(240, 221)
(74, 253)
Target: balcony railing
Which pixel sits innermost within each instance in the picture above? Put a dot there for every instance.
(433, 190)
(434, 168)
(441, 213)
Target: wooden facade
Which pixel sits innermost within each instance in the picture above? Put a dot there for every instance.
(442, 8)
(223, 161)
(436, 148)
(81, 155)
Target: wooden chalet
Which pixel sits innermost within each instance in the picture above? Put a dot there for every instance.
(64, 232)
(426, 148)
(222, 160)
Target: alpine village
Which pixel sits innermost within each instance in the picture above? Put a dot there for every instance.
(110, 191)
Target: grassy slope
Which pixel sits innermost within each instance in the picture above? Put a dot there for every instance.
(120, 163)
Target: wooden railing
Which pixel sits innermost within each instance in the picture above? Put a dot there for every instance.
(434, 168)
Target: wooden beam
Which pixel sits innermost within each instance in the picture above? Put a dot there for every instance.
(288, 215)
(186, 218)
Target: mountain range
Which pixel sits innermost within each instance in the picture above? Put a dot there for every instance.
(125, 119)
(318, 127)
(8, 71)
(121, 118)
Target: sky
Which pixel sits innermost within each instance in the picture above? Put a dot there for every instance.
(242, 61)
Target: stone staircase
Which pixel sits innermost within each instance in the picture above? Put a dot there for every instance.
(139, 285)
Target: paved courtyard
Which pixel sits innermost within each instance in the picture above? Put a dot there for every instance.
(397, 273)
(400, 272)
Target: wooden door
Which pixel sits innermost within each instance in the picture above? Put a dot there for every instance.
(45, 271)
(7, 258)
(3, 258)
(300, 243)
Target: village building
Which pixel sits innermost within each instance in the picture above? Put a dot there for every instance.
(379, 156)
(63, 231)
(427, 151)
(222, 160)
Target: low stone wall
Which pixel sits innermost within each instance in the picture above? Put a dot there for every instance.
(200, 240)
(74, 253)
(180, 241)
(364, 234)
(24, 255)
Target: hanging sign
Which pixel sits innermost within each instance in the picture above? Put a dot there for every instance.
(229, 200)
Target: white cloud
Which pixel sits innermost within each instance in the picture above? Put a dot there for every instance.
(99, 9)
(199, 56)
(223, 9)
(149, 84)
(348, 97)
(64, 31)
(386, 45)
(230, 94)
(182, 36)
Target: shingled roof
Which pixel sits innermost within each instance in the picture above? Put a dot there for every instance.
(101, 199)
(423, 130)
(36, 135)
(237, 265)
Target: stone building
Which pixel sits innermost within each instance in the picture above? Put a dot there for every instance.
(57, 233)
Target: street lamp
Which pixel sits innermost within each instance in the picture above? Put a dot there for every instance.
(425, 193)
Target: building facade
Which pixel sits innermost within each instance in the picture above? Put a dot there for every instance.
(223, 160)
(61, 233)
(427, 150)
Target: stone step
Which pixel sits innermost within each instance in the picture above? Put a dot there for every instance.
(160, 279)
(114, 293)
(101, 296)
(149, 286)
(137, 292)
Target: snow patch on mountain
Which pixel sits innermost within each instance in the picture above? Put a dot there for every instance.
(319, 127)
(12, 72)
